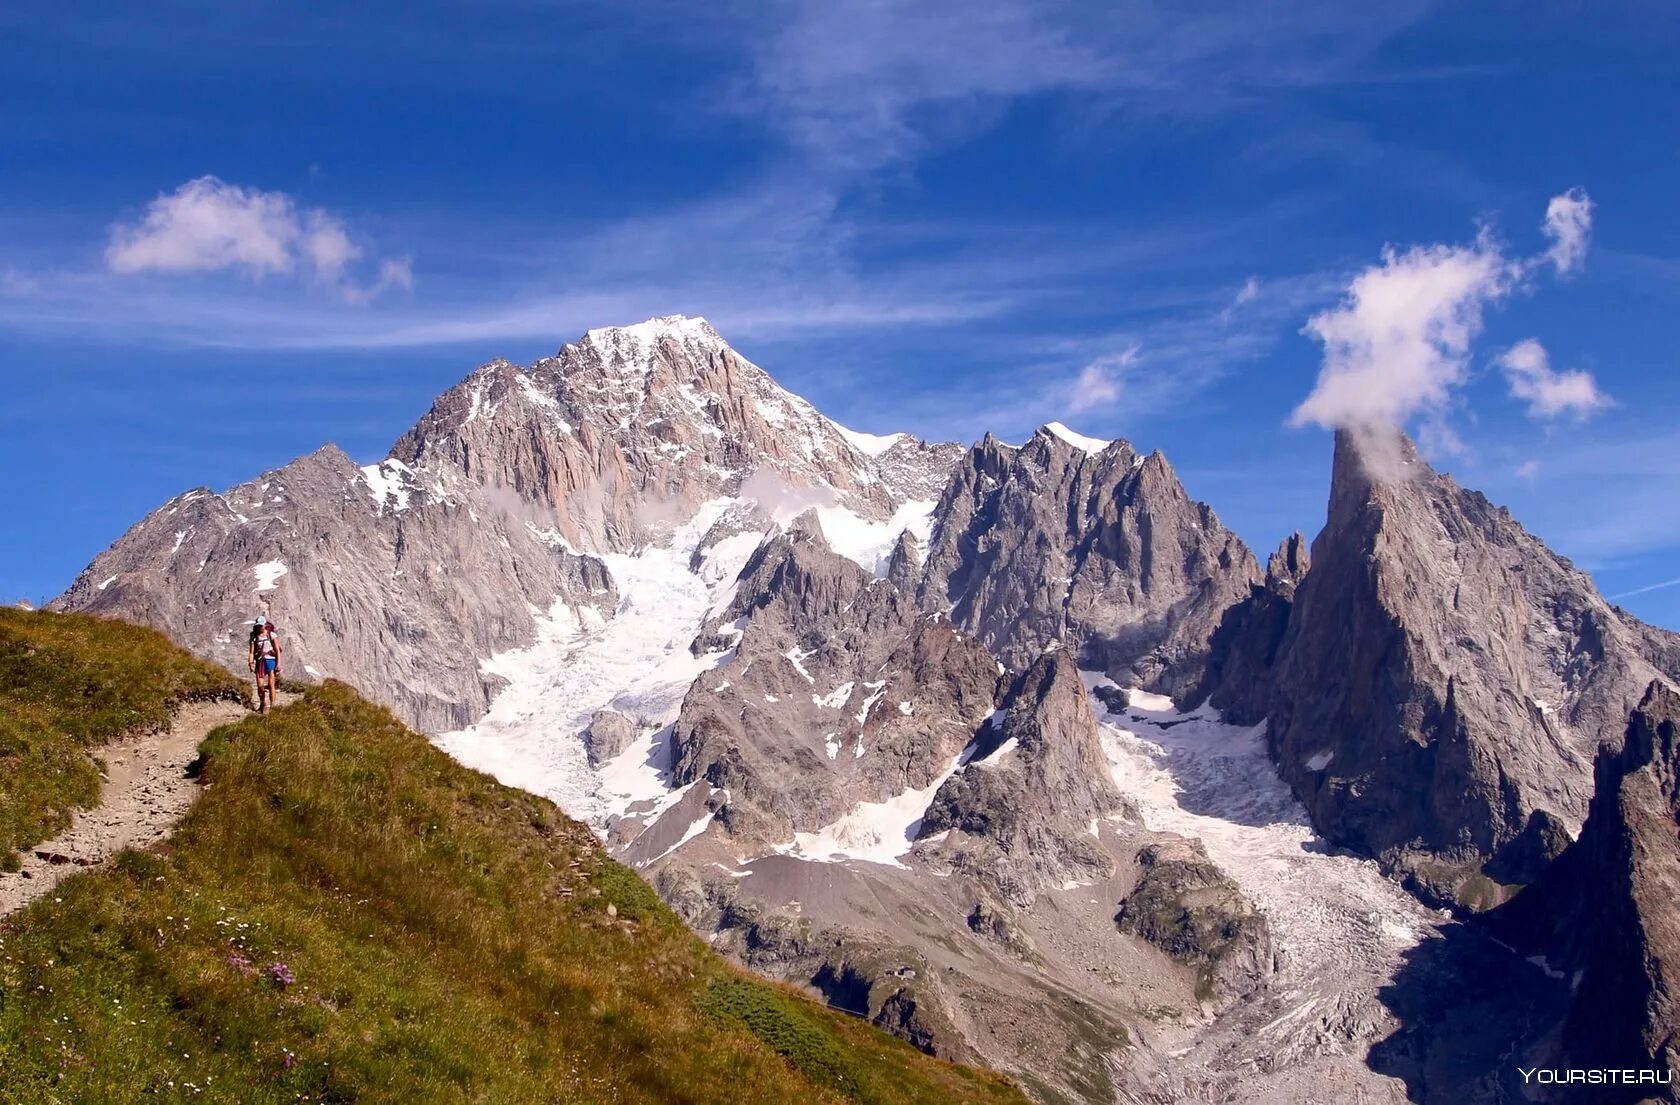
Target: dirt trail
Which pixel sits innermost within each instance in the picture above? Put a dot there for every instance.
(145, 792)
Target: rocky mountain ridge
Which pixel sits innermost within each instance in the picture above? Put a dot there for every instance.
(923, 727)
(403, 576)
(1438, 683)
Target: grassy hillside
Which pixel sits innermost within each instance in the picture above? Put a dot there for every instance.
(347, 915)
(69, 683)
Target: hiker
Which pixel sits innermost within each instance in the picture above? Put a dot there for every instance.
(265, 661)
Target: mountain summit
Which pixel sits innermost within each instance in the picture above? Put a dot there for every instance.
(403, 575)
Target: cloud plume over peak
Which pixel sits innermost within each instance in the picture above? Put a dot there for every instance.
(1398, 345)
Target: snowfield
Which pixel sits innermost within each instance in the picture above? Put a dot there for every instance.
(637, 663)
(1192, 774)
(1339, 927)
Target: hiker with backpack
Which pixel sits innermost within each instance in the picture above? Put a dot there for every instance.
(265, 661)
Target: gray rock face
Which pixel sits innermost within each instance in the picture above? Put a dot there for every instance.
(917, 470)
(1608, 906)
(841, 691)
(1023, 813)
(1443, 679)
(634, 427)
(1104, 551)
(402, 577)
(397, 591)
(1243, 648)
(1194, 912)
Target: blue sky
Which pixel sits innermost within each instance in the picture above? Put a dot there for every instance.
(943, 218)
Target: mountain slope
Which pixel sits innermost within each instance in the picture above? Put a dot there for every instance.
(1087, 543)
(366, 577)
(1443, 682)
(68, 686)
(347, 915)
(1605, 911)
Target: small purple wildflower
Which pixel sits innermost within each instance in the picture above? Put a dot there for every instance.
(289, 1061)
(238, 962)
(280, 975)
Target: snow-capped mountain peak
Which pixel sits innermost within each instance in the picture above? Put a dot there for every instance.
(630, 343)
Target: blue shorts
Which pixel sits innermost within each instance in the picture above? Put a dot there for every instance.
(267, 665)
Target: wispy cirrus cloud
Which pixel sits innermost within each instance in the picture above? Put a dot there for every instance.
(861, 87)
(850, 98)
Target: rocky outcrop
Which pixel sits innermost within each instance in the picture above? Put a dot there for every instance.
(1195, 913)
(368, 579)
(1244, 646)
(1023, 813)
(917, 470)
(609, 733)
(1102, 551)
(1604, 915)
(841, 691)
(886, 984)
(1442, 681)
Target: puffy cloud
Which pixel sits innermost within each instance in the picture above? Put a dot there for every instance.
(209, 225)
(1547, 391)
(1528, 470)
(1569, 225)
(1249, 292)
(1099, 383)
(1398, 345)
(1399, 342)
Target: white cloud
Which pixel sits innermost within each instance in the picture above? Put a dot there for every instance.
(394, 272)
(209, 225)
(1397, 345)
(1437, 438)
(326, 245)
(1248, 293)
(1528, 470)
(1100, 383)
(1569, 225)
(205, 225)
(1547, 391)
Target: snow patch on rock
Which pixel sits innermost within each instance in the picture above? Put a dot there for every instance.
(1076, 439)
(268, 574)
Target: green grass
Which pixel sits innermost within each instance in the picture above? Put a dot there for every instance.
(448, 940)
(69, 683)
